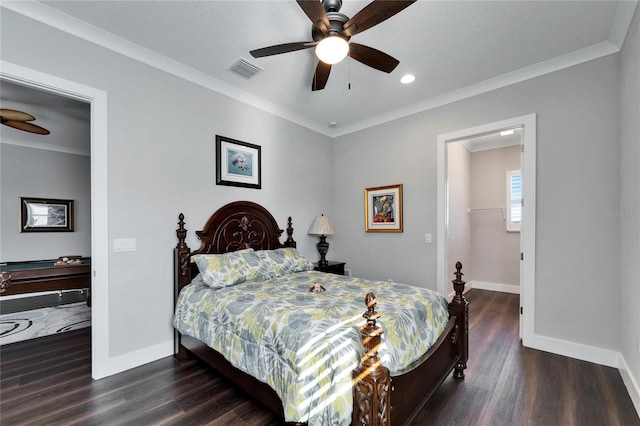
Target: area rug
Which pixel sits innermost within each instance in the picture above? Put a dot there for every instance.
(26, 325)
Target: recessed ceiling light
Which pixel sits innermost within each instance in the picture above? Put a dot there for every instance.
(407, 78)
(506, 132)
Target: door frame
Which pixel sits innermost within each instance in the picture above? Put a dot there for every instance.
(528, 229)
(99, 198)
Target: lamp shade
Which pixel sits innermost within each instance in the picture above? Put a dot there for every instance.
(321, 225)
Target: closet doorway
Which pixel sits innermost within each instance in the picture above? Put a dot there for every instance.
(486, 210)
(484, 184)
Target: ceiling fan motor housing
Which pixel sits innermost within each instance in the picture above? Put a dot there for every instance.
(336, 22)
(332, 5)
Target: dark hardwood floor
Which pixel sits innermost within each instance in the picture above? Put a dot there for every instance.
(48, 381)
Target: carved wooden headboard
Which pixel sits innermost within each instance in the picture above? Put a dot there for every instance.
(235, 226)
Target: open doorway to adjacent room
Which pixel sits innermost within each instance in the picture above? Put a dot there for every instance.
(90, 221)
(486, 209)
(45, 176)
(484, 216)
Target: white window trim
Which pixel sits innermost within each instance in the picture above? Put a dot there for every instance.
(511, 226)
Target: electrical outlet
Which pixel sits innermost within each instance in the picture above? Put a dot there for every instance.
(428, 239)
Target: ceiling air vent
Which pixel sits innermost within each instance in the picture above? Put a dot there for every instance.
(244, 68)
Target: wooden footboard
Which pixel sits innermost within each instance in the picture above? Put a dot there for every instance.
(379, 398)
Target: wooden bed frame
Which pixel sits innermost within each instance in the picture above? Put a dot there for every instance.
(379, 399)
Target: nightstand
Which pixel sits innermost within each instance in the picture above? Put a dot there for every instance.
(332, 267)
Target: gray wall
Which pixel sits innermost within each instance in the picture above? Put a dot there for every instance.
(629, 203)
(39, 173)
(161, 161)
(577, 265)
(495, 253)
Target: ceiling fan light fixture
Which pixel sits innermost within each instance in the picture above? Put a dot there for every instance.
(332, 49)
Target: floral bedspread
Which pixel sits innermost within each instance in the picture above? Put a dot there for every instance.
(305, 345)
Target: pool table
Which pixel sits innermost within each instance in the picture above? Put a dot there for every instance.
(43, 275)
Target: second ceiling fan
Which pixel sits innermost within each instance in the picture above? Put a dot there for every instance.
(329, 25)
(20, 120)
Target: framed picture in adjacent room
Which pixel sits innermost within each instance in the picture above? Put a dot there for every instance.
(46, 215)
(238, 163)
(383, 208)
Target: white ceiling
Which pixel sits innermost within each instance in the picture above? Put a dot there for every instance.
(456, 49)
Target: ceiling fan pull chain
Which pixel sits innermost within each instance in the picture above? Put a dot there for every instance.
(349, 72)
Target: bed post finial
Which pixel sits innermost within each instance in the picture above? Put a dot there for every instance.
(459, 307)
(182, 252)
(458, 284)
(372, 381)
(181, 232)
(290, 241)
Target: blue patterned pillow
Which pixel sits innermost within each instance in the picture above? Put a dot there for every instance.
(284, 261)
(227, 269)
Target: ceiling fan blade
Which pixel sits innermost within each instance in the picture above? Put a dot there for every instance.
(27, 127)
(372, 57)
(12, 114)
(315, 11)
(281, 48)
(372, 14)
(321, 76)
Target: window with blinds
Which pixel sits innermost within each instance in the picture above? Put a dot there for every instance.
(514, 200)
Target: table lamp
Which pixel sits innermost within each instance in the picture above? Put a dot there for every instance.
(322, 226)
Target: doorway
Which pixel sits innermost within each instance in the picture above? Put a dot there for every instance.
(527, 264)
(484, 187)
(46, 156)
(99, 202)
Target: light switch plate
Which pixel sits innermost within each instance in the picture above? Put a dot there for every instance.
(124, 244)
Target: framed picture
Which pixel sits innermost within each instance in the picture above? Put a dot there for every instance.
(383, 209)
(237, 163)
(46, 215)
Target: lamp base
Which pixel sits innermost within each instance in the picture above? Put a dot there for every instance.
(323, 248)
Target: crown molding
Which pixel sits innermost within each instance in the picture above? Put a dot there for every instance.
(63, 22)
(622, 21)
(487, 146)
(48, 16)
(46, 146)
(556, 64)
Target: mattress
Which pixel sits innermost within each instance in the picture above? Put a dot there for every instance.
(305, 344)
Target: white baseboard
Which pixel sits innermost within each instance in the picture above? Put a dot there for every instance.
(590, 354)
(574, 350)
(630, 382)
(504, 288)
(137, 358)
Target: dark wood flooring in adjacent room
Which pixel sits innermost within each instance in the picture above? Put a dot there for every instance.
(48, 381)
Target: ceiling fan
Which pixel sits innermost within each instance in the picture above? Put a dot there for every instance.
(20, 120)
(331, 26)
